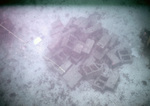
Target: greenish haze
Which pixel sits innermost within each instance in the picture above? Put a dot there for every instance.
(75, 2)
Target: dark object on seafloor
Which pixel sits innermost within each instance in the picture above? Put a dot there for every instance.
(145, 37)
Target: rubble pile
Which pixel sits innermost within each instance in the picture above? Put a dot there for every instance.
(84, 50)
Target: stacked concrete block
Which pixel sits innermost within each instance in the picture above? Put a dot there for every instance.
(83, 42)
(125, 55)
(72, 76)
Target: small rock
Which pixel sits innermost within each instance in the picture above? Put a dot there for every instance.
(9, 81)
(1, 93)
(67, 15)
(12, 95)
(1, 70)
(144, 83)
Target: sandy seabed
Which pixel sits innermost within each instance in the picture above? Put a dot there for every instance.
(26, 80)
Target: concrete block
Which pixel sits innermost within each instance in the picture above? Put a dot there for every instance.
(56, 24)
(145, 37)
(75, 58)
(54, 45)
(125, 55)
(113, 41)
(105, 78)
(94, 18)
(57, 27)
(66, 65)
(55, 67)
(105, 72)
(72, 76)
(65, 41)
(69, 42)
(70, 23)
(100, 54)
(112, 80)
(126, 59)
(96, 36)
(58, 69)
(99, 84)
(60, 57)
(81, 22)
(90, 69)
(79, 33)
(88, 46)
(78, 47)
(69, 31)
(93, 28)
(57, 32)
(102, 43)
(115, 61)
(91, 72)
